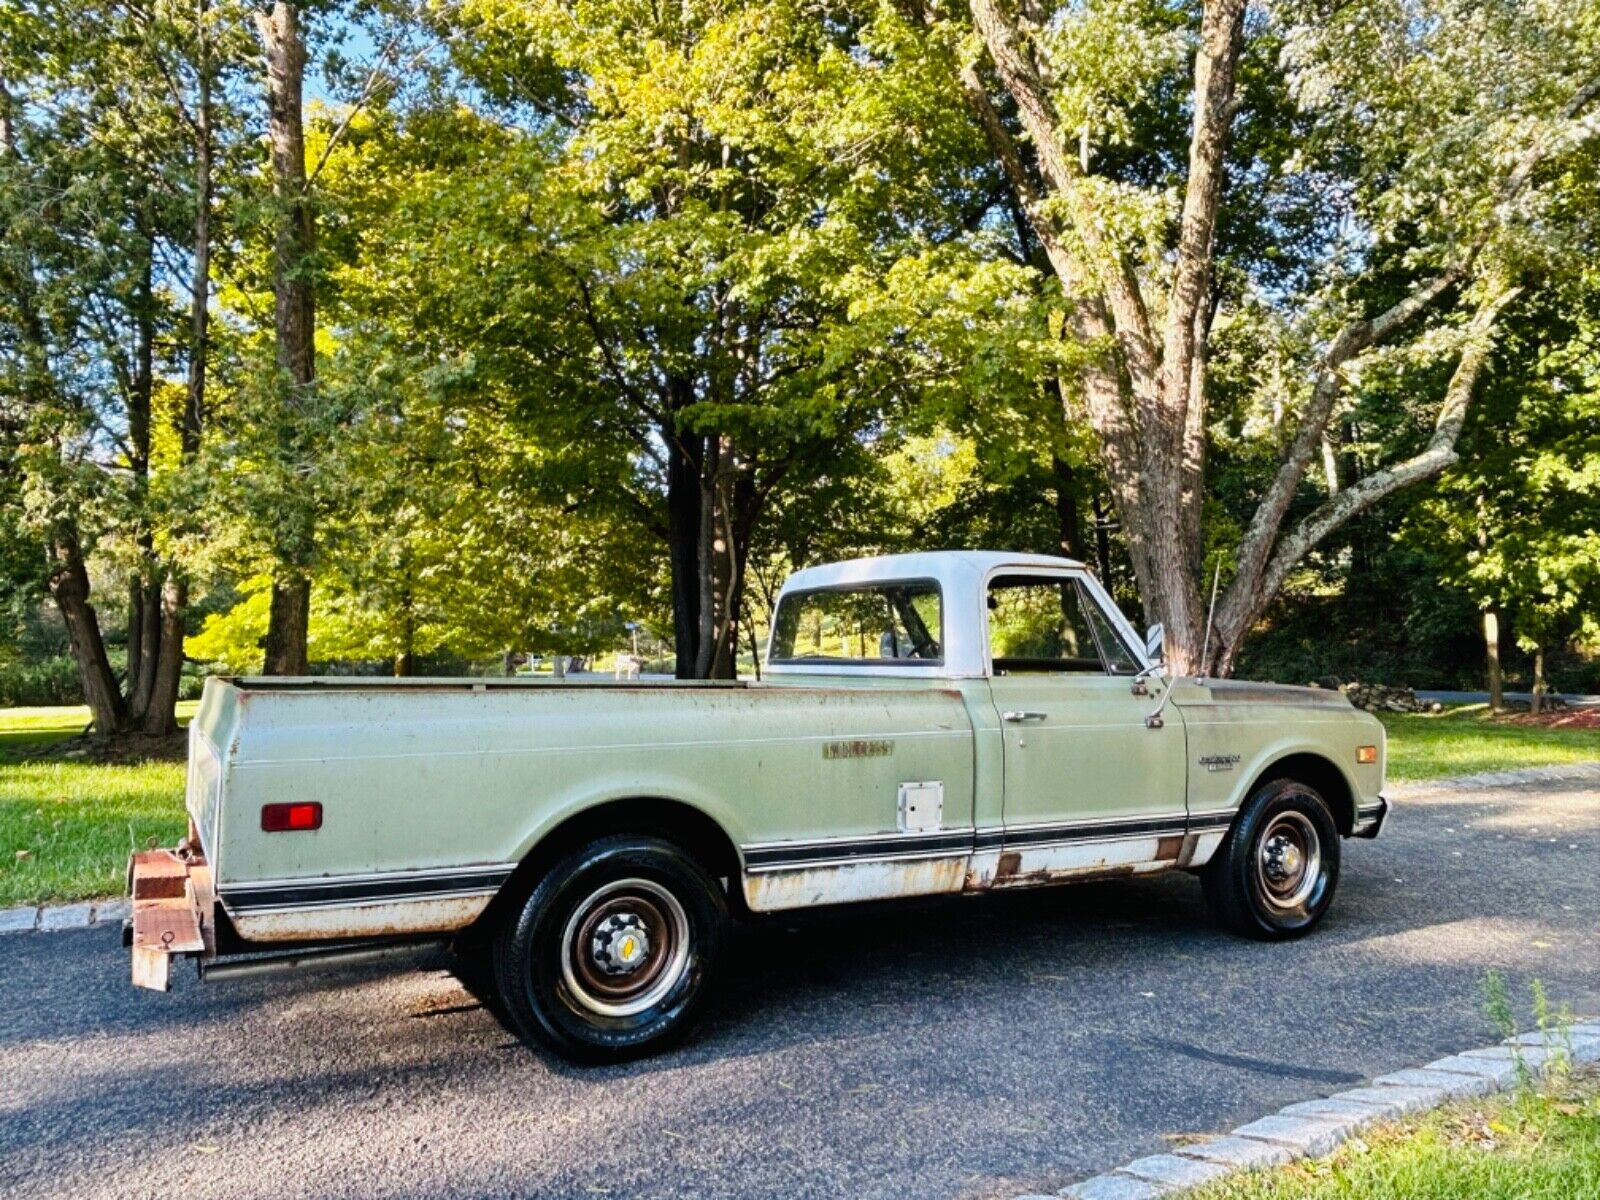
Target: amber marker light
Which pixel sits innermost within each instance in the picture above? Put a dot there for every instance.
(1366, 754)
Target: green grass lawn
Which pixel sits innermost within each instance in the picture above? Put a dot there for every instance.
(77, 820)
(1467, 740)
(1529, 1145)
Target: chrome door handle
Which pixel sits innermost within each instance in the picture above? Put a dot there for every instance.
(1017, 716)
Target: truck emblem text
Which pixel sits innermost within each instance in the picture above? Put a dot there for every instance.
(858, 749)
(1219, 762)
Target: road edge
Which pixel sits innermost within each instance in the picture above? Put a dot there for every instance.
(1315, 1128)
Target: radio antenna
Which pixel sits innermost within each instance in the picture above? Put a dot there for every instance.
(1205, 649)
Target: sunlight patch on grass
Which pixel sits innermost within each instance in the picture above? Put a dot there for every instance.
(1469, 740)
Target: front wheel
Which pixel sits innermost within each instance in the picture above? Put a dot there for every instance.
(1275, 875)
(610, 956)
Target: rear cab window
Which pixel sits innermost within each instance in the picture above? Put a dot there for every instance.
(899, 623)
(1051, 624)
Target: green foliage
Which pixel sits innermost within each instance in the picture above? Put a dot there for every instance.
(47, 681)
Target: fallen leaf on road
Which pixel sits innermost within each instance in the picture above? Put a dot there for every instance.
(202, 1148)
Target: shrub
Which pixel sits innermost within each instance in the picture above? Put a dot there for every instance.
(48, 681)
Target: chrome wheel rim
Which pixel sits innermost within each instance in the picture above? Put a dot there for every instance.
(624, 948)
(1288, 861)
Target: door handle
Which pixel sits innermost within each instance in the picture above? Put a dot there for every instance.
(1017, 716)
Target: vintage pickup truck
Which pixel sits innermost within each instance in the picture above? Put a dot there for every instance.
(950, 722)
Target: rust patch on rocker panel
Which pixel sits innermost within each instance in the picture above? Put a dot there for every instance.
(1169, 847)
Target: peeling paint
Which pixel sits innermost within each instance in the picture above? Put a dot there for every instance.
(365, 920)
(773, 891)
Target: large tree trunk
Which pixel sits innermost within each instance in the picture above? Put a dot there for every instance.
(294, 314)
(288, 618)
(1148, 407)
(69, 585)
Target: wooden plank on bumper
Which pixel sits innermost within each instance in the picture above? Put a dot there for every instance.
(172, 899)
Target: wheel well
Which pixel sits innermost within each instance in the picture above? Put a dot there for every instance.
(1317, 772)
(671, 820)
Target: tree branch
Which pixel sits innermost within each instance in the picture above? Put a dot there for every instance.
(1439, 453)
(1114, 273)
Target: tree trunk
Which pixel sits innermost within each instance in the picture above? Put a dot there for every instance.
(159, 710)
(141, 678)
(1491, 653)
(294, 314)
(160, 714)
(69, 585)
(1536, 699)
(1069, 524)
(135, 632)
(1102, 541)
(287, 622)
(685, 463)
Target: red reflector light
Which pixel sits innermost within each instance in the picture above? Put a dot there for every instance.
(283, 818)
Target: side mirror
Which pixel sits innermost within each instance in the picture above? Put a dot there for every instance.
(1155, 642)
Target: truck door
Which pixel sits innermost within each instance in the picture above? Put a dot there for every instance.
(1089, 786)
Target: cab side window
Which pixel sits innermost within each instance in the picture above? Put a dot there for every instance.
(1050, 624)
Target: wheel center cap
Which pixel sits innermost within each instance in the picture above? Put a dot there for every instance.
(1283, 859)
(621, 944)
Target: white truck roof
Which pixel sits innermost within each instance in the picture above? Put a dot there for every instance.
(961, 576)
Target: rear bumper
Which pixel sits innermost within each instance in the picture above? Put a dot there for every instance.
(174, 913)
(1370, 818)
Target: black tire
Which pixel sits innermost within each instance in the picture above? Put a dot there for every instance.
(610, 956)
(1275, 874)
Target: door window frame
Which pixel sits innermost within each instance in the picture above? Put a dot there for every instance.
(1091, 590)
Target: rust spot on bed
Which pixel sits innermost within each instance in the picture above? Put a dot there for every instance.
(1169, 847)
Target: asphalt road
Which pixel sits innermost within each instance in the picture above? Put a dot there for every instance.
(964, 1048)
(1572, 699)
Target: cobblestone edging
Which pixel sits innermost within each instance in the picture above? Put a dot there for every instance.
(102, 912)
(1557, 773)
(51, 918)
(1314, 1128)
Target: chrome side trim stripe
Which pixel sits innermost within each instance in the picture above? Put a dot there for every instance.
(389, 887)
(872, 848)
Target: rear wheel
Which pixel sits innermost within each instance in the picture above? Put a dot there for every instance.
(610, 956)
(1275, 875)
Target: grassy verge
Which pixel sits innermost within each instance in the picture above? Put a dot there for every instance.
(1467, 740)
(66, 826)
(1529, 1145)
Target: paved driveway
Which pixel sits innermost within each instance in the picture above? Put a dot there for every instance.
(965, 1048)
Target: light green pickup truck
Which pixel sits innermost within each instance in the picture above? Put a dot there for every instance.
(928, 723)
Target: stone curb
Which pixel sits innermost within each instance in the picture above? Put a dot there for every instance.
(51, 918)
(1556, 773)
(1314, 1128)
